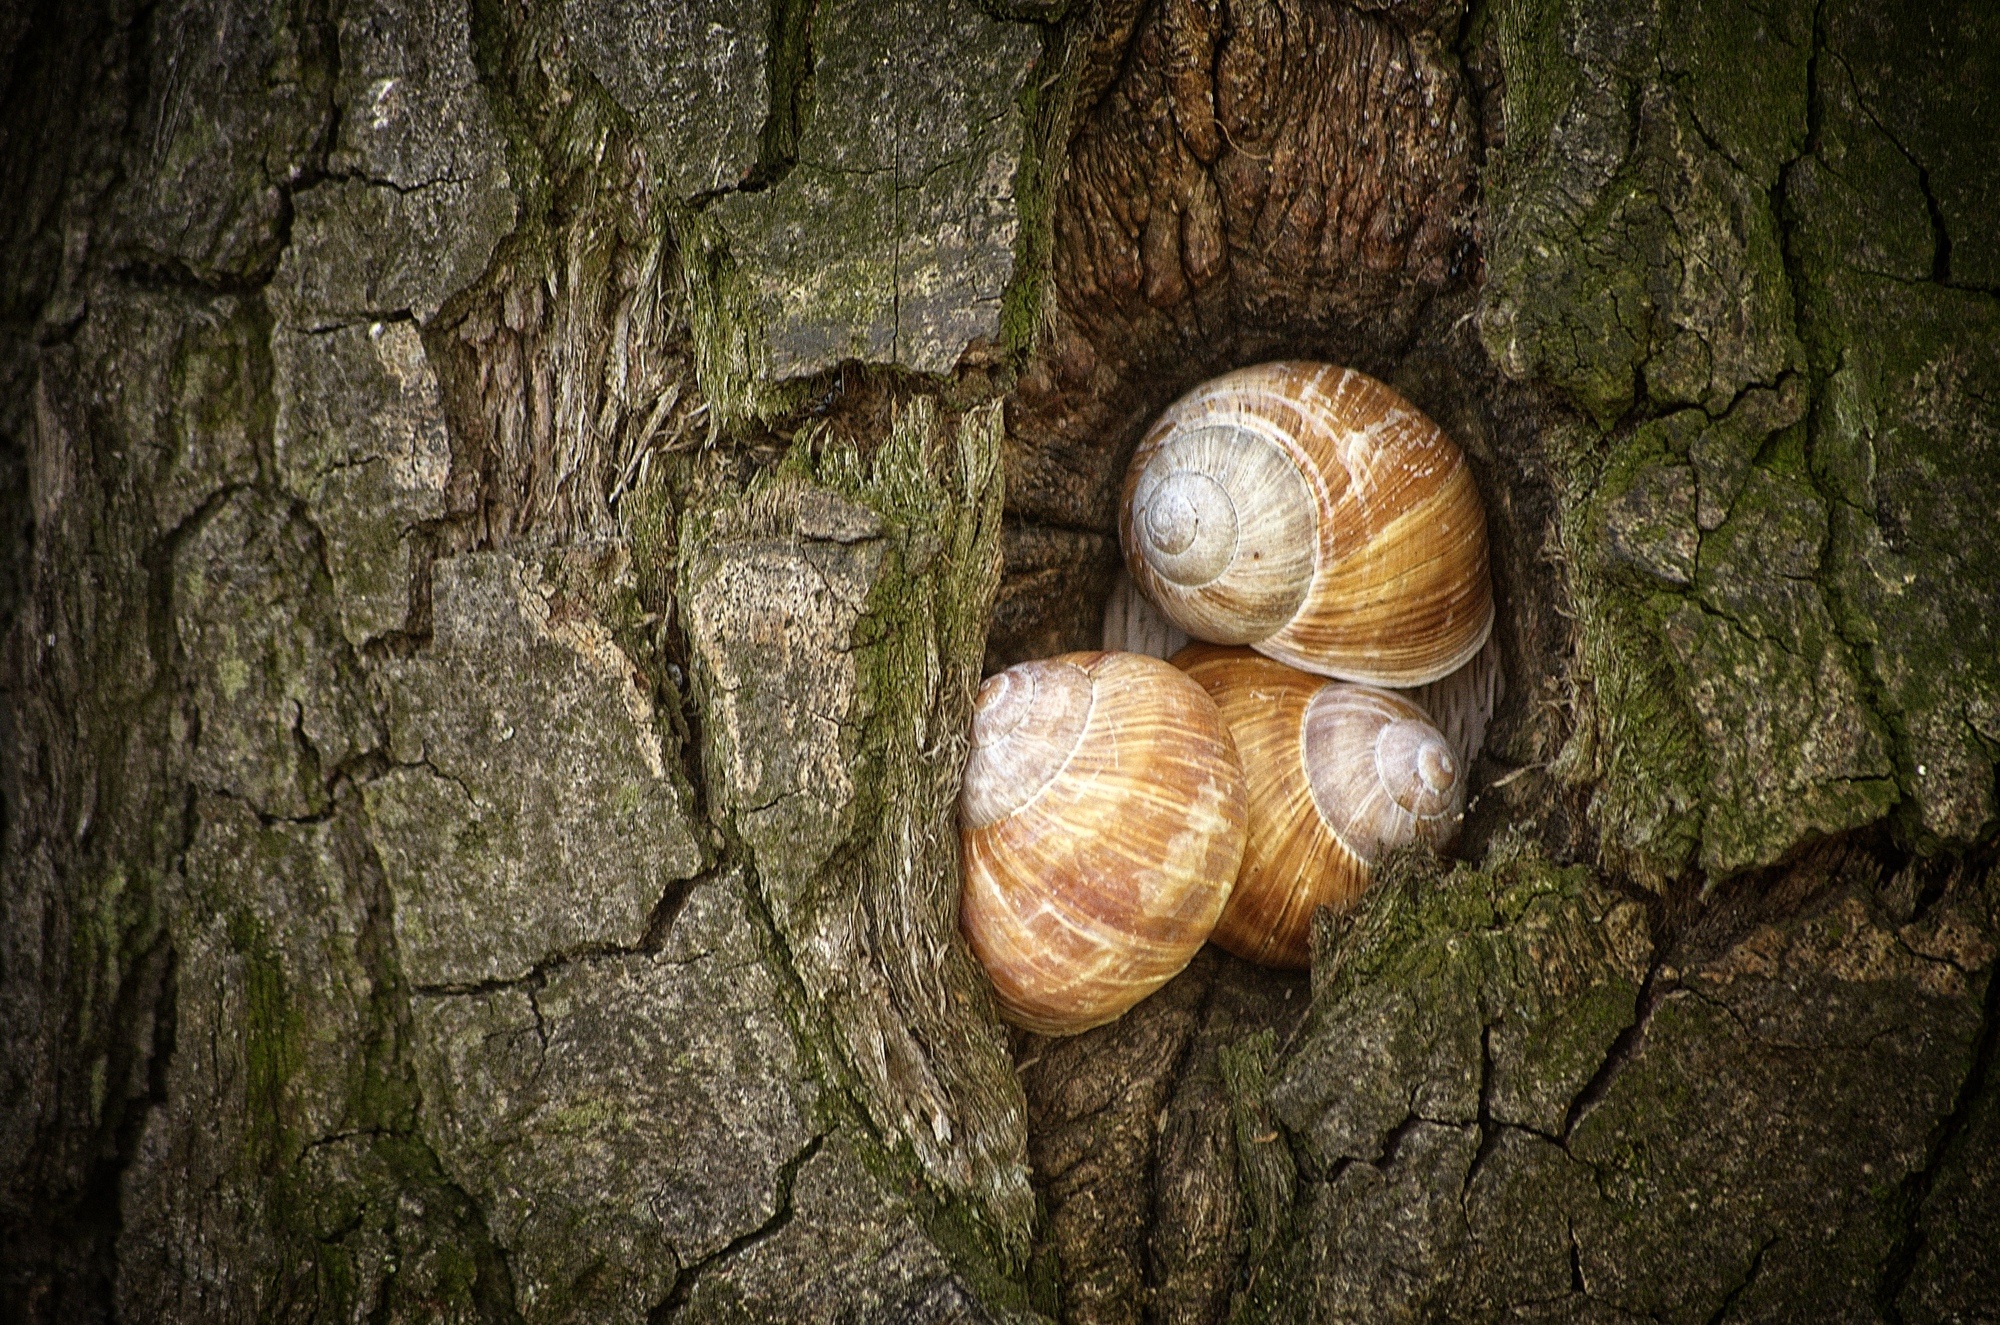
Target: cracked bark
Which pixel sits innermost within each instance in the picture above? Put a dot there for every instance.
(685, 1279)
(263, 1061)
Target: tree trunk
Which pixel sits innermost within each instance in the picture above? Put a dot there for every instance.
(504, 507)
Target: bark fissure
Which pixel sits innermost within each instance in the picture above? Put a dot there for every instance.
(1489, 1130)
(1625, 1047)
(688, 1277)
(1913, 1193)
(1743, 1285)
(1155, 1175)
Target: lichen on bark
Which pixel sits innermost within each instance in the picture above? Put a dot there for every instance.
(1568, 1111)
(834, 615)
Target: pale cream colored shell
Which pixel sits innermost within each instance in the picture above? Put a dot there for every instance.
(1132, 624)
(1314, 514)
(1337, 775)
(1462, 704)
(1101, 824)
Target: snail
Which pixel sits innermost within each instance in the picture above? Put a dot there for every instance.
(1462, 704)
(1337, 775)
(1101, 823)
(1312, 513)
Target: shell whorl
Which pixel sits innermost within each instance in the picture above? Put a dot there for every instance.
(1026, 723)
(1382, 776)
(1224, 520)
(1312, 513)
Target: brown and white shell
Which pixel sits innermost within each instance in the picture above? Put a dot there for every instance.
(1101, 824)
(1314, 514)
(1338, 776)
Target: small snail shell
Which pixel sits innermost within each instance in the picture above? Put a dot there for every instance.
(1338, 776)
(1462, 704)
(1101, 823)
(1314, 514)
(1133, 625)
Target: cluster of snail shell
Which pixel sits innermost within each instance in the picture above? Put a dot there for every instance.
(1120, 810)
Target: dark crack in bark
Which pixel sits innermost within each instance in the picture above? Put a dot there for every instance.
(1624, 1048)
(1741, 1286)
(1914, 1192)
(1489, 1130)
(688, 1276)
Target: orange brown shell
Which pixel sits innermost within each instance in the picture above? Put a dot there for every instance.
(1101, 824)
(1337, 776)
(1312, 513)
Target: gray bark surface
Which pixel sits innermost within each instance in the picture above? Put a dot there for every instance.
(504, 507)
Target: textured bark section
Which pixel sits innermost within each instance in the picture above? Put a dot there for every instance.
(567, 377)
(832, 617)
(891, 235)
(89, 854)
(197, 204)
(1900, 324)
(693, 77)
(369, 951)
(618, 1106)
(1135, 1147)
(281, 1149)
(1627, 152)
(1749, 290)
(414, 192)
(1098, 1100)
(277, 704)
(1560, 1116)
(360, 435)
(889, 1270)
(531, 737)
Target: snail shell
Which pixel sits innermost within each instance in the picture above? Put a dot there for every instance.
(1338, 776)
(1314, 514)
(1101, 824)
(1462, 705)
(1133, 625)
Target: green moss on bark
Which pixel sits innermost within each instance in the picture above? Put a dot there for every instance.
(835, 614)
(1665, 236)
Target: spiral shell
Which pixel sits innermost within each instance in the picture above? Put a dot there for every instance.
(1338, 776)
(1101, 823)
(1312, 513)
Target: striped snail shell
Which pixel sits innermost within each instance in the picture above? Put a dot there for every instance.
(1314, 514)
(1101, 824)
(1338, 776)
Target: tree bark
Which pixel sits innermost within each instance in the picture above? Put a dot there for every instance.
(504, 508)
